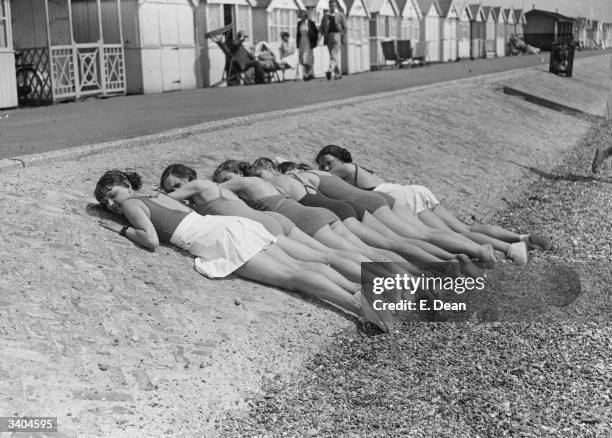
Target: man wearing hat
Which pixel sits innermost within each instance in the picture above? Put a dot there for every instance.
(333, 29)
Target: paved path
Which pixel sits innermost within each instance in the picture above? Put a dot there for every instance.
(34, 130)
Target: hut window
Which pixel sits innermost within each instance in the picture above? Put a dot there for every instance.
(215, 16)
(3, 26)
(243, 18)
(281, 20)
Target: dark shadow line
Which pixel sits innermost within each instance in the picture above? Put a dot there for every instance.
(531, 98)
(567, 177)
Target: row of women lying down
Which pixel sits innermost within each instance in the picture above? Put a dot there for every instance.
(303, 229)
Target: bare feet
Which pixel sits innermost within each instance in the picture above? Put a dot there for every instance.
(518, 253)
(487, 256)
(469, 268)
(538, 241)
(377, 317)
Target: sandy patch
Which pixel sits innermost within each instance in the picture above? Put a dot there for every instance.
(119, 341)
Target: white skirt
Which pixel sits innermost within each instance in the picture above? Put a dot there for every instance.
(221, 244)
(416, 198)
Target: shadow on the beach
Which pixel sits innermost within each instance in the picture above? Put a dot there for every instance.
(562, 177)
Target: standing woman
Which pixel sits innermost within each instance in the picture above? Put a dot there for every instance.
(307, 37)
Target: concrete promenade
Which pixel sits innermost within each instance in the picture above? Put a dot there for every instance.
(34, 130)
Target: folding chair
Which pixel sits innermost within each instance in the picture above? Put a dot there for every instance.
(236, 62)
(389, 52)
(404, 52)
(270, 66)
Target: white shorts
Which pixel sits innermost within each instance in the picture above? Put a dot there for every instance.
(416, 198)
(221, 244)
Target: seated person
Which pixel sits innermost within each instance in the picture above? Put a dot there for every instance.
(244, 59)
(288, 51)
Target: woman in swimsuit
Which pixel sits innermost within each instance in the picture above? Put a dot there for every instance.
(405, 225)
(222, 245)
(357, 221)
(206, 197)
(320, 223)
(423, 203)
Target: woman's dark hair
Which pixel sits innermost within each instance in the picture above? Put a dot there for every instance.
(284, 34)
(263, 163)
(115, 178)
(178, 170)
(290, 165)
(335, 151)
(235, 166)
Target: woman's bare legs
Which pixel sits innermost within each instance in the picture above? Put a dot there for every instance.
(304, 255)
(267, 269)
(450, 242)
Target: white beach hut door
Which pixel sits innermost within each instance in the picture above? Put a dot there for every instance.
(177, 57)
(8, 84)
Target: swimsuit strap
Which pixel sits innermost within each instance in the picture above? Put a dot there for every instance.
(355, 181)
(306, 186)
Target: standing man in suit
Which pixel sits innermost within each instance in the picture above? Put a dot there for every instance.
(333, 29)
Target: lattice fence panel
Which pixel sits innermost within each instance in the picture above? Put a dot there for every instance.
(62, 69)
(114, 69)
(37, 58)
(89, 75)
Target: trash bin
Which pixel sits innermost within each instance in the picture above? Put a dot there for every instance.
(562, 59)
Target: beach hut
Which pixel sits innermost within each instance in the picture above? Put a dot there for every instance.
(71, 48)
(316, 9)
(384, 19)
(509, 26)
(477, 32)
(430, 29)
(409, 29)
(489, 37)
(581, 31)
(160, 45)
(8, 83)
(271, 17)
(500, 31)
(356, 52)
(211, 15)
(545, 27)
(449, 28)
(519, 22)
(463, 33)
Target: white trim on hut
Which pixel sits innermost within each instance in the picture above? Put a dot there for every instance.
(384, 23)
(356, 51)
(477, 32)
(463, 33)
(519, 22)
(410, 25)
(75, 46)
(214, 14)
(430, 29)
(449, 30)
(500, 31)
(8, 82)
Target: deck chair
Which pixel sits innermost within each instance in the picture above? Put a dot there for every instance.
(390, 53)
(404, 52)
(270, 66)
(237, 66)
